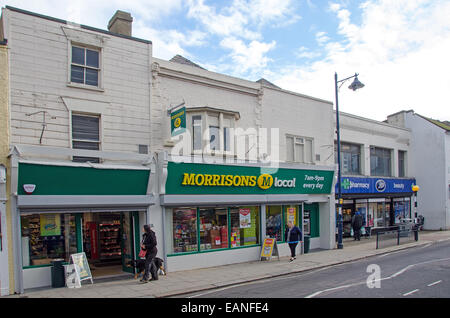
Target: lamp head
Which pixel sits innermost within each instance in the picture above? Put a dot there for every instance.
(356, 84)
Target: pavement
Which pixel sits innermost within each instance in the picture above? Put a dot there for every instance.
(184, 282)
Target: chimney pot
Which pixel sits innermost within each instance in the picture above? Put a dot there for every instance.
(121, 23)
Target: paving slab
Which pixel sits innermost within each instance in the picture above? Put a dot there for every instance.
(222, 276)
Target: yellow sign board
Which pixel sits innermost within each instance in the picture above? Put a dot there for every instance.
(269, 248)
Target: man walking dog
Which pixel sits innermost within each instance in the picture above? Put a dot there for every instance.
(149, 246)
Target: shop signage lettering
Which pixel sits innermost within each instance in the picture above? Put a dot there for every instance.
(264, 181)
(375, 185)
(191, 178)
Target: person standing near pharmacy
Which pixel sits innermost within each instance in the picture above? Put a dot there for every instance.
(149, 246)
(292, 236)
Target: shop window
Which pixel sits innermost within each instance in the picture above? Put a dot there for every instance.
(361, 207)
(273, 222)
(85, 66)
(401, 210)
(46, 237)
(226, 138)
(299, 149)
(85, 135)
(291, 214)
(401, 163)
(197, 132)
(382, 215)
(380, 162)
(213, 228)
(214, 140)
(244, 226)
(185, 230)
(350, 158)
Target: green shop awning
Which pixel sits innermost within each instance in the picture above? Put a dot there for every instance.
(44, 179)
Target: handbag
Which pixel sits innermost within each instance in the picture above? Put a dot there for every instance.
(142, 253)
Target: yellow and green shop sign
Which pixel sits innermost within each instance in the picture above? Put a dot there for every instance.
(191, 178)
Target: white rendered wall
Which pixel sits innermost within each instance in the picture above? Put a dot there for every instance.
(367, 132)
(39, 73)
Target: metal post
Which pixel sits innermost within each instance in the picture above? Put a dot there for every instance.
(340, 221)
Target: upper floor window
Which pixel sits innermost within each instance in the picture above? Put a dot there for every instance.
(85, 66)
(380, 162)
(85, 135)
(299, 149)
(211, 130)
(401, 163)
(350, 158)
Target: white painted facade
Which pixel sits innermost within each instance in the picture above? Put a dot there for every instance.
(239, 103)
(42, 100)
(430, 161)
(367, 132)
(132, 100)
(40, 57)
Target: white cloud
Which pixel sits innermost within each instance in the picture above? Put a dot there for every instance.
(247, 58)
(238, 26)
(400, 50)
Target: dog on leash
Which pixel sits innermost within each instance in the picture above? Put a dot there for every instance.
(139, 265)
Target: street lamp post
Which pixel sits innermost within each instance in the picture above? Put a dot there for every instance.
(354, 86)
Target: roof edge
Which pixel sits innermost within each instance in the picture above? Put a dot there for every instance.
(86, 27)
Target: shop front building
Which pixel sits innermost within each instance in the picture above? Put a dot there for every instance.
(216, 214)
(64, 208)
(382, 202)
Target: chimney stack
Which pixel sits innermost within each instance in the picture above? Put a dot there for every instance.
(120, 23)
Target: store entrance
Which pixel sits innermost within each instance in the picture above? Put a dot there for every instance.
(108, 241)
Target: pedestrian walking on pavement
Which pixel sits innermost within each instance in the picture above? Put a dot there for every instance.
(149, 246)
(292, 236)
(357, 223)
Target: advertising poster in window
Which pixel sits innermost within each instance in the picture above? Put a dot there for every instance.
(291, 215)
(50, 224)
(245, 220)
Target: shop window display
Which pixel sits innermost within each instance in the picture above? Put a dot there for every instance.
(213, 228)
(401, 210)
(362, 208)
(291, 215)
(273, 222)
(46, 237)
(185, 230)
(244, 226)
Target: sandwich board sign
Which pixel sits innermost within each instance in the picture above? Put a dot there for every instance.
(81, 267)
(269, 249)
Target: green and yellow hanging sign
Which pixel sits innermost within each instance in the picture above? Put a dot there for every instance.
(190, 178)
(178, 121)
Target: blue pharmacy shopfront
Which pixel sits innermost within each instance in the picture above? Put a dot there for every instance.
(381, 201)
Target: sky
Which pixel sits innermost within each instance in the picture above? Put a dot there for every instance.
(399, 48)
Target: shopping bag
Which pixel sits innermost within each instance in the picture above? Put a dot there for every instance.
(142, 253)
(363, 231)
(351, 232)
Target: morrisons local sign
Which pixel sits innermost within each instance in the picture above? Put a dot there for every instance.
(190, 178)
(264, 181)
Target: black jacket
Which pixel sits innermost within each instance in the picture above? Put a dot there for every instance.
(357, 221)
(296, 234)
(149, 242)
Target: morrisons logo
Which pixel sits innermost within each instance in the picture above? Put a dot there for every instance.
(264, 181)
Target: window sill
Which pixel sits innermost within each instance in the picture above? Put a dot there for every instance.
(88, 87)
